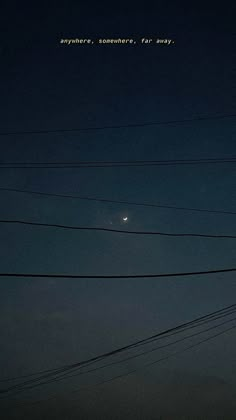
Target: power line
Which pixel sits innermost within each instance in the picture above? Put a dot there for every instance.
(114, 164)
(228, 310)
(20, 388)
(128, 232)
(114, 378)
(167, 357)
(112, 127)
(127, 276)
(143, 366)
(122, 162)
(71, 196)
(165, 334)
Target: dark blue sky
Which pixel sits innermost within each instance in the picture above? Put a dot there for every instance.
(44, 85)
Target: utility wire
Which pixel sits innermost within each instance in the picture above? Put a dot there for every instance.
(28, 384)
(127, 276)
(36, 382)
(136, 370)
(124, 162)
(128, 232)
(144, 353)
(166, 357)
(112, 127)
(79, 197)
(113, 164)
(212, 316)
(148, 351)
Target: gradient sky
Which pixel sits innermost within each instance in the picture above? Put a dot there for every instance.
(44, 85)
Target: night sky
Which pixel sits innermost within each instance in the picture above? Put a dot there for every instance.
(47, 323)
